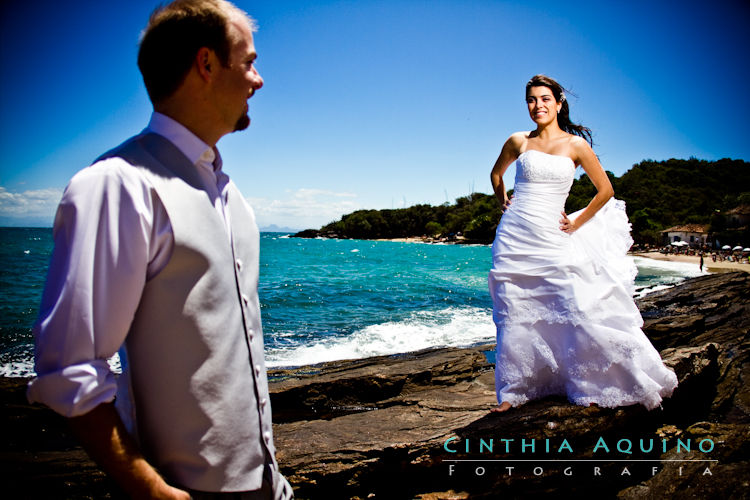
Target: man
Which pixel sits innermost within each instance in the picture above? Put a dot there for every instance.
(156, 255)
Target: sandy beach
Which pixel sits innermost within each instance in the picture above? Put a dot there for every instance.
(425, 239)
(708, 264)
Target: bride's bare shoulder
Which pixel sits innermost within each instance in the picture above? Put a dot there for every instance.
(523, 135)
(517, 140)
(579, 146)
(576, 140)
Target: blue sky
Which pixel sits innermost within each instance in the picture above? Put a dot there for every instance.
(379, 104)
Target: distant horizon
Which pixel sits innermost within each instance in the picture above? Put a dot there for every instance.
(47, 222)
(266, 229)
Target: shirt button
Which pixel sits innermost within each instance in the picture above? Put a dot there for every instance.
(208, 156)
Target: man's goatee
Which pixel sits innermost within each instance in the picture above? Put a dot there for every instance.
(242, 123)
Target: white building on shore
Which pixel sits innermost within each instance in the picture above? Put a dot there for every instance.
(694, 235)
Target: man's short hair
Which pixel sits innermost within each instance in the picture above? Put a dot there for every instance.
(174, 34)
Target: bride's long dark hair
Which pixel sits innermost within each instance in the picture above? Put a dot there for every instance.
(563, 117)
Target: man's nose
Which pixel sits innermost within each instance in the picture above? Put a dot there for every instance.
(258, 80)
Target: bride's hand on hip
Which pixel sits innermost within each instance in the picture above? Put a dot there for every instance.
(567, 225)
(507, 203)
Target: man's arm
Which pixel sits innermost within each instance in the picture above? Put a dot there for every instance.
(103, 436)
(105, 250)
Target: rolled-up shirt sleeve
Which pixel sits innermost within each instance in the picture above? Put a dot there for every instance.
(104, 248)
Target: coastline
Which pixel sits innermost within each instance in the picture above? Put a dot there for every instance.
(410, 406)
(457, 240)
(708, 264)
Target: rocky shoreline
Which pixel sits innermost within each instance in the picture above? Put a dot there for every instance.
(407, 426)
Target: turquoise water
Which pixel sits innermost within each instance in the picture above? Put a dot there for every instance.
(334, 299)
(321, 300)
(24, 257)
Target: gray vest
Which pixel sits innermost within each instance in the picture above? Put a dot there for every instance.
(194, 378)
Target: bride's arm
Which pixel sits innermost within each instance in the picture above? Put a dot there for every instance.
(507, 155)
(585, 157)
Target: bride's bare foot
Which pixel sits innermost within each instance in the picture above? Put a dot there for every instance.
(504, 406)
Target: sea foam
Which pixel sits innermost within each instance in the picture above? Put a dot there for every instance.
(655, 275)
(450, 327)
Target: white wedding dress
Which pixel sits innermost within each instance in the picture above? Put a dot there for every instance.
(563, 303)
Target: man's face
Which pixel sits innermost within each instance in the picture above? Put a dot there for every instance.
(236, 83)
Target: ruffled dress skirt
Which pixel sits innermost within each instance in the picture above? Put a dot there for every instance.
(566, 320)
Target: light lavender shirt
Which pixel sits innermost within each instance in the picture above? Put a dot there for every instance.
(111, 235)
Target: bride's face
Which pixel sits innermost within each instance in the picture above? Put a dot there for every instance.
(543, 108)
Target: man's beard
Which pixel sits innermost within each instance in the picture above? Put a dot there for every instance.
(242, 123)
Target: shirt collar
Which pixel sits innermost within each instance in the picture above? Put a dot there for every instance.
(197, 151)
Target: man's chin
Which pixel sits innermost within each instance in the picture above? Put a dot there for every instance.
(242, 123)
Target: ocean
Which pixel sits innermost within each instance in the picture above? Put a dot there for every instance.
(321, 299)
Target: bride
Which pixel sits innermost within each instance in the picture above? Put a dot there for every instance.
(562, 285)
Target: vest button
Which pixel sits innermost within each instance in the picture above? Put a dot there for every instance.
(245, 299)
(239, 264)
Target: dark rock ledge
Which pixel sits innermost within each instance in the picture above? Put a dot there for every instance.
(376, 428)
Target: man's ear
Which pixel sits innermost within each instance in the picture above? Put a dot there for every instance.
(205, 63)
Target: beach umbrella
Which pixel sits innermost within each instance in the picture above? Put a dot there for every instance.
(726, 247)
(738, 247)
(746, 249)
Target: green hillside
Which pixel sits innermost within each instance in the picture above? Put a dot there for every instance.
(658, 195)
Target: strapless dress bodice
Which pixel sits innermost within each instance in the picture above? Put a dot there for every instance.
(536, 166)
(541, 188)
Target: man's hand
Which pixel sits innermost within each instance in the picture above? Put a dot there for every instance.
(172, 493)
(103, 436)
